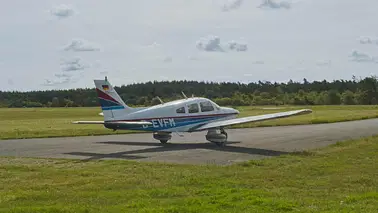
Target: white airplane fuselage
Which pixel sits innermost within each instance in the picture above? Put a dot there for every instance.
(175, 116)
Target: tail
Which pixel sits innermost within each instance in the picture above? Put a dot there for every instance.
(111, 103)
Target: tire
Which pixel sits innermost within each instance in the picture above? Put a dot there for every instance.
(163, 141)
(220, 144)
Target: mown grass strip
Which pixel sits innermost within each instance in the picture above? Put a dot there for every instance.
(339, 178)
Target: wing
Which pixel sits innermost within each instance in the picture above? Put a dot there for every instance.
(113, 122)
(252, 119)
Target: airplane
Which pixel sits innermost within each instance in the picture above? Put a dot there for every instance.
(191, 114)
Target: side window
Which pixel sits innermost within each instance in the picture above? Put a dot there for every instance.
(193, 108)
(180, 110)
(206, 106)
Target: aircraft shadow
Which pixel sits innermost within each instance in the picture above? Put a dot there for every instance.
(156, 147)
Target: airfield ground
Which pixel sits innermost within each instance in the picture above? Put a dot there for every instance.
(305, 175)
(339, 178)
(56, 122)
(244, 144)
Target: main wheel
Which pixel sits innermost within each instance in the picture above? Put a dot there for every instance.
(163, 141)
(224, 132)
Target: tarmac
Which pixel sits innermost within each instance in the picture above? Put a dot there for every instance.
(192, 148)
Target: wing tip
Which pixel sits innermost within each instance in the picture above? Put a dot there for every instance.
(305, 111)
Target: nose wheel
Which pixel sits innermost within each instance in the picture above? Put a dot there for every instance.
(163, 137)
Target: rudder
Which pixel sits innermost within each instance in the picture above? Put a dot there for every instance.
(111, 103)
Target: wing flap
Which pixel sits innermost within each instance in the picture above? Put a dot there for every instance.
(114, 122)
(254, 119)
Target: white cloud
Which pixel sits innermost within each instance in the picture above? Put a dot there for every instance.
(74, 64)
(104, 72)
(63, 79)
(362, 57)
(78, 45)
(213, 44)
(64, 75)
(210, 43)
(273, 4)
(368, 40)
(237, 46)
(232, 5)
(56, 82)
(62, 11)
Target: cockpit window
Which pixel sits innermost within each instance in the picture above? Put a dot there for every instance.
(193, 108)
(206, 106)
(180, 110)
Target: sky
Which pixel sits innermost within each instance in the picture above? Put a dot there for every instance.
(62, 44)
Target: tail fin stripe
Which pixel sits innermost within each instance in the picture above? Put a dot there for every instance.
(105, 96)
(106, 103)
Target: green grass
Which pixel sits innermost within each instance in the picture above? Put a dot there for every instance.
(339, 178)
(56, 122)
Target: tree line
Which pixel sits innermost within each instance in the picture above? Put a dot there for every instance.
(348, 92)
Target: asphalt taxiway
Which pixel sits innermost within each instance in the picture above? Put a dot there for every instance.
(192, 148)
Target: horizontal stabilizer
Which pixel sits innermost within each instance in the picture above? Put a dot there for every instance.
(253, 119)
(113, 122)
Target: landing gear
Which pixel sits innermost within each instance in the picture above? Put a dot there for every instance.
(163, 137)
(217, 136)
(224, 132)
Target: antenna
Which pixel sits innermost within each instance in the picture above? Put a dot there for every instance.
(161, 101)
(183, 94)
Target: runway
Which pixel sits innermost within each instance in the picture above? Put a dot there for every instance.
(192, 148)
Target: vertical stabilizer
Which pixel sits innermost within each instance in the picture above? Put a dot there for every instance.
(111, 103)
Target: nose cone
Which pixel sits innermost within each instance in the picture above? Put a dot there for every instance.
(231, 110)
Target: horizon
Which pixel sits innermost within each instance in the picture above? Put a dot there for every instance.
(201, 81)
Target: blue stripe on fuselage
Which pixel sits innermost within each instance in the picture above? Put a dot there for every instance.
(159, 124)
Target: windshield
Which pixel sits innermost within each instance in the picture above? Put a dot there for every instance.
(216, 105)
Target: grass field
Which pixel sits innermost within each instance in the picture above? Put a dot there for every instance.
(339, 178)
(56, 122)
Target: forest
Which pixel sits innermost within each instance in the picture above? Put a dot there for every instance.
(362, 91)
